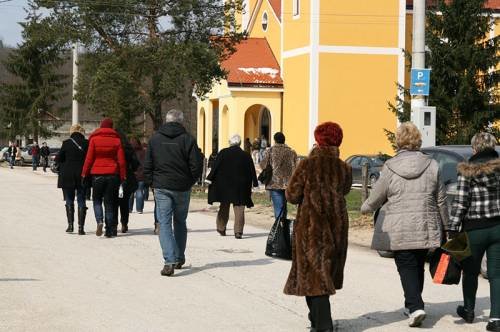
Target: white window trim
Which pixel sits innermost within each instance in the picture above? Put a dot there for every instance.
(296, 9)
(262, 21)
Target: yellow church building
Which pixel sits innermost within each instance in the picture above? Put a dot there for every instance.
(310, 61)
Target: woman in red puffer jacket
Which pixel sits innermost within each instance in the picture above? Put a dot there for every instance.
(105, 162)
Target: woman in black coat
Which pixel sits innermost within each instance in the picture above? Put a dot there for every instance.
(70, 159)
(231, 180)
(130, 186)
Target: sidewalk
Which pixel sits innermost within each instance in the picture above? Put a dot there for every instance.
(53, 281)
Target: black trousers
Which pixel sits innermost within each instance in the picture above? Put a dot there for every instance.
(410, 264)
(320, 313)
(122, 204)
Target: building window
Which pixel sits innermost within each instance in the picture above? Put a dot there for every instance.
(296, 7)
(264, 21)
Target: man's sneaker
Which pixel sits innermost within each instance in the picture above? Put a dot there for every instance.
(98, 232)
(416, 318)
(168, 270)
(493, 325)
(467, 315)
(179, 264)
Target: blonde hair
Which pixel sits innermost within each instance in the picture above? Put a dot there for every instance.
(76, 128)
(483, 141)
(408, 137)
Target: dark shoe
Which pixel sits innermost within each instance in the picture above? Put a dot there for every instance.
(493, 325)
(124, 228)
(222, 233)
(467, 315)
(82, 213)
(168, 270)
(70, 215)
(157, 228)
(179, 264)
(98, 231)
(316, 330)
(238, 235)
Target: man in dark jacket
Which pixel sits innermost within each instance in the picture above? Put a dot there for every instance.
(12, 152)
(45, 153)
(172, 166)
(231, 180)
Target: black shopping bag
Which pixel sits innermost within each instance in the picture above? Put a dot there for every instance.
(279, 241)
(444, 268)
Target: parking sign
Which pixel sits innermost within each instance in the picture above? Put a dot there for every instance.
(420, 82)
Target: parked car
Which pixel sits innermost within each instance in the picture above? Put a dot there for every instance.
(375, 164)
(52, 160)
(4, 155)
(26, 157)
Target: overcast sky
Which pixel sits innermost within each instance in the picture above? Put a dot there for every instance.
(11, 12)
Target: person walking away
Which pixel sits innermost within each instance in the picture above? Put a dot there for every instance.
(263, 147)
(255, 150)
(35, 156)
(140, 154)
(211, 160)
(12, 152)
(231, 181)
(476, 211)
(105, 163)
(70, 159)
(283, 161)
(45, 153)
(413, 214)
(128, 187)
(146, 186)
(319, 250)
(172, 166)
(248, 146)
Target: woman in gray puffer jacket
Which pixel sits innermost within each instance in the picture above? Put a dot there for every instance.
(413, 212)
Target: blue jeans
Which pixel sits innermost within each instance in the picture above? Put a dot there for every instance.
(279, 202)
(69, 196)
(139, 198)
(172, 205)
(35, 161)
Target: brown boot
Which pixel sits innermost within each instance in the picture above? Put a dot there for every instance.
(98, 232)
(168, 271)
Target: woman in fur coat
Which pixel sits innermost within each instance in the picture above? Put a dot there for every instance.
(319, 185)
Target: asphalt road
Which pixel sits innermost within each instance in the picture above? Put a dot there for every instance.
(53, 281)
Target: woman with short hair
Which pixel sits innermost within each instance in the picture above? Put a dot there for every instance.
(231, 179)
(476, 211)
(282, 160)
(70, 159)
(413, 212)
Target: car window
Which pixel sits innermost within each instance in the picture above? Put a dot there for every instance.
(364, 160)
(447, 167)
(355, 162)
(377, 162)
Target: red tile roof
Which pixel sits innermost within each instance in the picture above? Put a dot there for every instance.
(253, 64)
(491, 4)
(276, 4)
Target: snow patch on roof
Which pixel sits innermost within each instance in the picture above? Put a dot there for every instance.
(260, 71)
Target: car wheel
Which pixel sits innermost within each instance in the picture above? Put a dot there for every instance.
(484, 268)
(385, 254)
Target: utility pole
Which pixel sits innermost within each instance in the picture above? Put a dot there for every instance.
(75, 115)
(423, 116)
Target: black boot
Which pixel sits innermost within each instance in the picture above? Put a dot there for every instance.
(82, 213)
(70, 215)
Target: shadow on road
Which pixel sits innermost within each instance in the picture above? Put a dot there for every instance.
(435, 312)
(18, 279)
(138, 231)
(229, 264)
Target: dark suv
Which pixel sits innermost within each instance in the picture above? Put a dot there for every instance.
(375, 164)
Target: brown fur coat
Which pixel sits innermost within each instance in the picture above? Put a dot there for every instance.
(319, 185)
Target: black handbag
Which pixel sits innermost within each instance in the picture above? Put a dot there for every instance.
(444, 268)
(279, 241)
(267, 173)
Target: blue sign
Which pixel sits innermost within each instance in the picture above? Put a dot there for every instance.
(420, 82)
